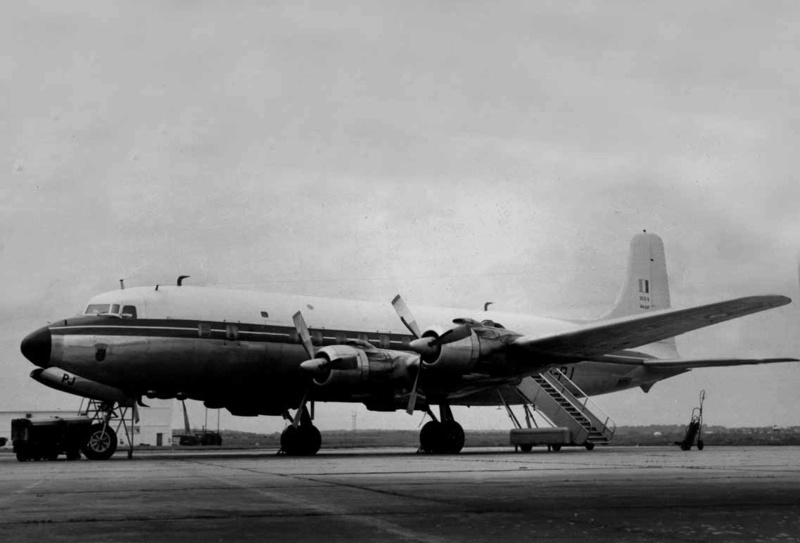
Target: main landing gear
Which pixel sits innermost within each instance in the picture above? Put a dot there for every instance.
(444, 436)
(301, 438)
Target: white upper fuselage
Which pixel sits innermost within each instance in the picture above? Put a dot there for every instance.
(200, 303)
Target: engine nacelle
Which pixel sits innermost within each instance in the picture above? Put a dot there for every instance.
(483, 349)
(349, 367)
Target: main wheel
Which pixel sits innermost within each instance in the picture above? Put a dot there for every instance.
(303, 440)
(430, 437)
(589, 446)
(23, 456)
(526, 448)
(102, 443)
(700, 444)
(452, 438)
(290, 440)
(311, 439)
(556, 448)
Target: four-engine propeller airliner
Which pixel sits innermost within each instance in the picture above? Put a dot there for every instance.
(265, 354)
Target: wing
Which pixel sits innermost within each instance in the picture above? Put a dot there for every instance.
(596, 340)
(689, 363)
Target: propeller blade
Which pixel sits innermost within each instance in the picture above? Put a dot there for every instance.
(452, 335)
(406, 316)
(412, 399)
(302, 331)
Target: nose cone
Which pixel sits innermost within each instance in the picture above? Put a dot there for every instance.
(36, 347)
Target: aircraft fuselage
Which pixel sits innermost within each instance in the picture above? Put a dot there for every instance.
(240, 350)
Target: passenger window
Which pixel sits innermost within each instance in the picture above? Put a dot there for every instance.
(129, 312)
(204, 329)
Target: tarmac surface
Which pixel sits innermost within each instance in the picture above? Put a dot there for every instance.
(388, 495)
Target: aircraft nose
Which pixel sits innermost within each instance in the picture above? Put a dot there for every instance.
(36, 347)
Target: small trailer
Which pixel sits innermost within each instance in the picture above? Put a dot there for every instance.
(527, 438)
(46, 438)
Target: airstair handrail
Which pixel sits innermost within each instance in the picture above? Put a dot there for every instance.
(595, 409)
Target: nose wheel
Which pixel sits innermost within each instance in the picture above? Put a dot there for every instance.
(102, 443)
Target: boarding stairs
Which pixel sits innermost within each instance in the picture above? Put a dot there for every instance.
(563, 404)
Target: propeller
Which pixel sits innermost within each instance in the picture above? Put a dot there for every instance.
(421, 345)
(462, 329)
(405, 315)
(312, 365)
(315, 365)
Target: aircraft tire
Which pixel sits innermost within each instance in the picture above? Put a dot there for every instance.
(290, 441)
(700, 444)
(589, 446)
(23, 456)
(311, 440)
(526, 448)
(303, 440)
(430, 437)
(100, 445)
(556, 448)
(452, 438)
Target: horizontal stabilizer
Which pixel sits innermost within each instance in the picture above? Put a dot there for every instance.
(609, 336)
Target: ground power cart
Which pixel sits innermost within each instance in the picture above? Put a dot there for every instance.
(46, 438)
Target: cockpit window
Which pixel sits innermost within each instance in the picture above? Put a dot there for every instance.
(98, 309)
(128, 311)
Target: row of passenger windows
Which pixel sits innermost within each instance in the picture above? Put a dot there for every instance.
(127, 311)
(317, 336)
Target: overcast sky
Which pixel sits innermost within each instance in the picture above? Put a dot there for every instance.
(454, 152)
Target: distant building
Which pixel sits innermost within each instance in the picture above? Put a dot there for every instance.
(153, 429)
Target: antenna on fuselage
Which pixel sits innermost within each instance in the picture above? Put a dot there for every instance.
(181, 278)
(122, 284)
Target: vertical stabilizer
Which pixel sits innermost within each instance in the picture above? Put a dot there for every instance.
(646, 286)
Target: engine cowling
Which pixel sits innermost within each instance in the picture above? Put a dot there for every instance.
(349, 366)
(481, 350)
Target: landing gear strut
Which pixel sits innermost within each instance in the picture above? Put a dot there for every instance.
(445, 437)
(301, 438)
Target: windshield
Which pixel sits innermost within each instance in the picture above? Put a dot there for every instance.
(103, 309)
(98, 309)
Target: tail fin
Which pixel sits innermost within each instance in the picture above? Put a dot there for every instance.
(646, 286)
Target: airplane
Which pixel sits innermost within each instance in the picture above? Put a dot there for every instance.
(256, 354)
